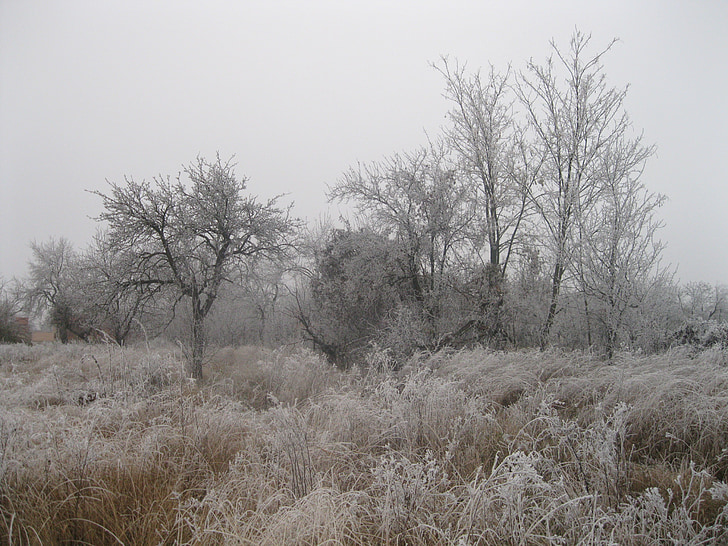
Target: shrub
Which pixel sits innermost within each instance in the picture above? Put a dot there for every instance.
(703, 334)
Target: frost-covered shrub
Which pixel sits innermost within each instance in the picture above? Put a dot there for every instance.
(517, 501)
(703, 334)
(716, 334)
(408, 492)
(670, 517)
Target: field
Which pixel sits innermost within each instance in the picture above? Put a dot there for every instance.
(102, 445)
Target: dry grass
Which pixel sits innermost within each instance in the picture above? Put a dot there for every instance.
(101, 445)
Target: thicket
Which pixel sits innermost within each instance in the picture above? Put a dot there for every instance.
(526, 223)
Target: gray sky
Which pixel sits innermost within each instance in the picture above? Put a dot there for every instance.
(300, 90)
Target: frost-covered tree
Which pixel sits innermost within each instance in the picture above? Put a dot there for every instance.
(10, 306)
(52, 288)
(188, 237)
(703, 301)
(112, 301)
(575, 118)
(417, 201)
(487, 141)
(497, 164)
(352, 284)
(263, 285)
(618, 252)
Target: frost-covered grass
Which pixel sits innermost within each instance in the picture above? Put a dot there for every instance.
(100, 445)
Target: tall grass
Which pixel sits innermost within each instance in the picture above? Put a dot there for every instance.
(101, 445)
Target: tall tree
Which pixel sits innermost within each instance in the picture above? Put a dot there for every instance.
(189, 237)
(574, 117)
(484, 134)
(496, 162)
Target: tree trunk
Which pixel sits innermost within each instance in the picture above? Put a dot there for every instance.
(611, 342)
(613, 321)
(555, 288)
(198, 341)
(496, 332)
(587, 316)
(261, 326)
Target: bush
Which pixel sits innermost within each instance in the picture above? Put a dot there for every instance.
(10, 330)
(703, 334)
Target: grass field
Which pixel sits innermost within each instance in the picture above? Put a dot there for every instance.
(102, 445)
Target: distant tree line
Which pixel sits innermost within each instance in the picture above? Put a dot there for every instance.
(525, 223)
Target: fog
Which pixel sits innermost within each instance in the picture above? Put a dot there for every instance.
(299, 91)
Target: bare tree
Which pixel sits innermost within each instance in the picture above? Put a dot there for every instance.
(574, 117)
(189, 237)
(10, 306)
(496, 162)
(619, 253)
(113, 301)
(416, 200)
(53, 287)
(703, 301)
(263, 285)
(484, 134)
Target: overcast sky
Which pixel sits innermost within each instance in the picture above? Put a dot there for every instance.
(298, 91)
